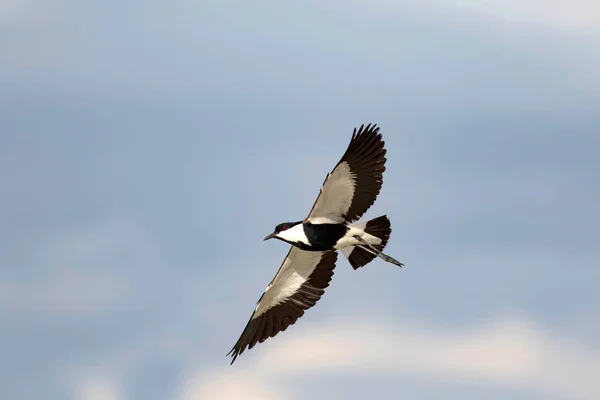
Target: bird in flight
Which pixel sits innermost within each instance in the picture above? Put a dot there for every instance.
(347, 193)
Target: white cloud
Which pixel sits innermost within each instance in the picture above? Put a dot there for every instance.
(509, 351)
(227, 385)
(574, 14)
(97, 387)
(577, 15)
(106, 377)
(491, 352)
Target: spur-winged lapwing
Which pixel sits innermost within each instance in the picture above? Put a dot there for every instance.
(347, 192)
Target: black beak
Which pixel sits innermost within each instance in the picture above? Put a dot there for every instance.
(270, 236)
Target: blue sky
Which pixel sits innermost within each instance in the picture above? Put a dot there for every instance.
(148, 147)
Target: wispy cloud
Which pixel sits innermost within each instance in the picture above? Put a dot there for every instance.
(97, 387)
(228, 386)
(508, 351)
(577, 15)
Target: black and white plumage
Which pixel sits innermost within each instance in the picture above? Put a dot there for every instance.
(346, 194)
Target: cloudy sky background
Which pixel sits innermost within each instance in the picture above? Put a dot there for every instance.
(147, 148)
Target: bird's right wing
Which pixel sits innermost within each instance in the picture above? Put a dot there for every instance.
(297, 286)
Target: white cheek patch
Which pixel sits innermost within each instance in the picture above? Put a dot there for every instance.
(294, 234)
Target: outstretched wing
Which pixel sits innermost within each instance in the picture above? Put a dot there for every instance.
(297, 286)
(353, 185)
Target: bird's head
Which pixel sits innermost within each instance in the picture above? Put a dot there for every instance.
(282, 230)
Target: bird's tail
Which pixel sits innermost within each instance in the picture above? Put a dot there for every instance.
(361, 255)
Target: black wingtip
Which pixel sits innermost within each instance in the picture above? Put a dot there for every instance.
(235, 352)
(371, 127)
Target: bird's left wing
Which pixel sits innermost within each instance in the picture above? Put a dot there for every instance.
(353, 185)
(297, 286)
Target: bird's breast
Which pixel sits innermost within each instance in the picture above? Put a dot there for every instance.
(323, 237)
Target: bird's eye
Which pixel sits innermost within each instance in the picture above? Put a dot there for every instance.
(283, 228)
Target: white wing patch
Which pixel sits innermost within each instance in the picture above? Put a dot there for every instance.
(336, 194)
(321, 220)
(295, 270)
